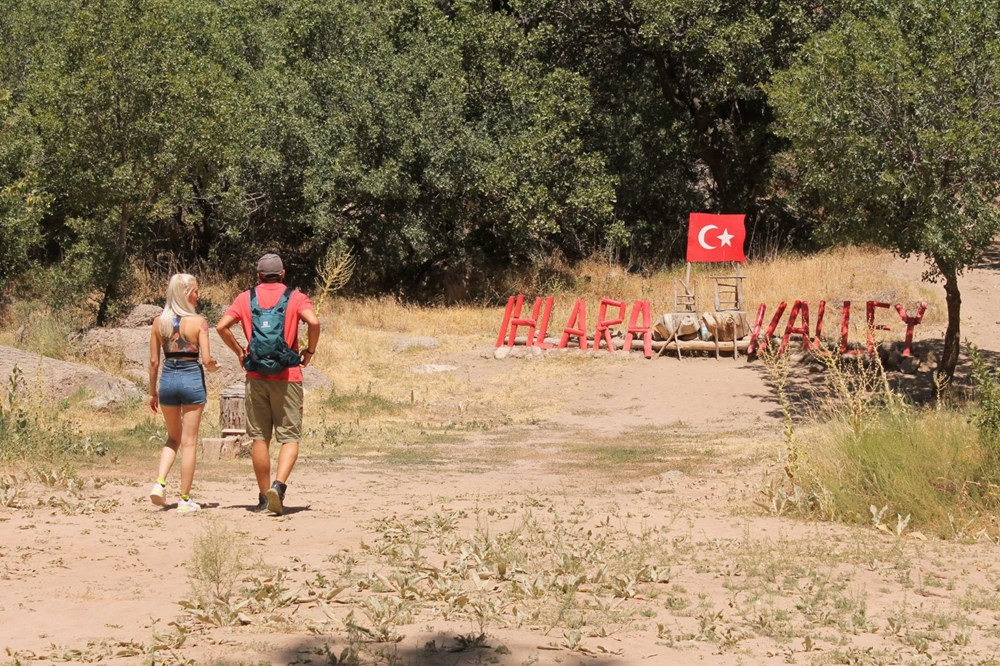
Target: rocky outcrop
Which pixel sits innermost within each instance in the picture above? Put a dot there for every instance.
(61, 379)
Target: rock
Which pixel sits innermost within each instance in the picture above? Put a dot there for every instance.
(131, 343)
(432, 368)
(312, 378)
(142, 316)
(526, 352)
(217, 448)
(107, 403)
(501, 353)
(60, 379)
(909, 365)
(402, 344)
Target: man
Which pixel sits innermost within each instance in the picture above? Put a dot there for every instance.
(273, 402)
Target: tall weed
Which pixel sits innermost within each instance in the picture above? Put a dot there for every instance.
(28, 430)
(867, 453)
(921, 462)
(857, 390)
(986, 413)
(33, 326)
(219, 560)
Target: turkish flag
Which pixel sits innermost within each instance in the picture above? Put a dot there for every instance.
(716, 237)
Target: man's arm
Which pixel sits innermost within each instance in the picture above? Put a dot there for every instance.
(222, 328)
(310, 318)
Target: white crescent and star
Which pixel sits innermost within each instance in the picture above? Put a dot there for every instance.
(725, 238)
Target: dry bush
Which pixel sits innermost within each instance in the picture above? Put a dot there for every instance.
(218, 561)
(144, 284)
(856, 274)
(335, 272)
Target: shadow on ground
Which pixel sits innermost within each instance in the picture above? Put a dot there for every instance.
(808, 382)
(442, 649)
(991, 259)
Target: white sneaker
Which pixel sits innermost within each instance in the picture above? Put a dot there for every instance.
(187, 506)
(158, 495)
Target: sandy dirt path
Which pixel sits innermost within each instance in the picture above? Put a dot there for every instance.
(96, 574)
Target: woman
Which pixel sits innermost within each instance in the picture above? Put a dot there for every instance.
(182, 336)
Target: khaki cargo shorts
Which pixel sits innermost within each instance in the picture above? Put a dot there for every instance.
(274, 406)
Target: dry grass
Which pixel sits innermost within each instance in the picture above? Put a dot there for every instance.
(357, 347)
(579, 574)
(857, 274)
(376, 397)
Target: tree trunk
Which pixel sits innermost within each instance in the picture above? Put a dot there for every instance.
(115, 269)
(701, 118)
(953, 335)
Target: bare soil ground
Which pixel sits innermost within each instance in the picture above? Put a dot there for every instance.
(616, 520)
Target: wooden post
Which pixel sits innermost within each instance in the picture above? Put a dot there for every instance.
(232, 412)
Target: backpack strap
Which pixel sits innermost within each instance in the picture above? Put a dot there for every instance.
(282, 303)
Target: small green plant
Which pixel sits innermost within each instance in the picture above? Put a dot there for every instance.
(347, 657)
(470, 641)
(361, 402)
(987, 413)
(30, 431)
(383, 614)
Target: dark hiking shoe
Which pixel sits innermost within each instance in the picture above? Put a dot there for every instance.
(261, 504)
(276, 498)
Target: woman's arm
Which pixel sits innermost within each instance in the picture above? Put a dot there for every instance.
(155, 343)
(204, 348)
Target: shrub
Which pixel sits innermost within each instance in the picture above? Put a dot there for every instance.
(918, 462)
(27, 430)
(986, 414)
(218, 562)
(870, 455)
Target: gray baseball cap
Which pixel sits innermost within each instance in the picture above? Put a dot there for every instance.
(270, 264)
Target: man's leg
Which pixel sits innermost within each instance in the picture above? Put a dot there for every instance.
(287, 456)
(286, 410)
(260, 454)
(260, 427)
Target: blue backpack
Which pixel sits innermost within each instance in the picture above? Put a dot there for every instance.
(268, 353)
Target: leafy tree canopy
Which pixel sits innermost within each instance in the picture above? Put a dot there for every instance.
(894, 124)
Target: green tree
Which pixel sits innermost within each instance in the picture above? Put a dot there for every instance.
(894, 126)
(21, 205)
(132, 110)
(436, 144)
(679, 105)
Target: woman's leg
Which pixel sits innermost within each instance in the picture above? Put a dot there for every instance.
(189, 444)
(172, 417)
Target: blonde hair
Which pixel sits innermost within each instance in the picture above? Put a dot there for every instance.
(177, 304)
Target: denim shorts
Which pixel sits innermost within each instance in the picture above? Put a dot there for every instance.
(182, 382)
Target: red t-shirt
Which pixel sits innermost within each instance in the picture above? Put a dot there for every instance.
(268, 294)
